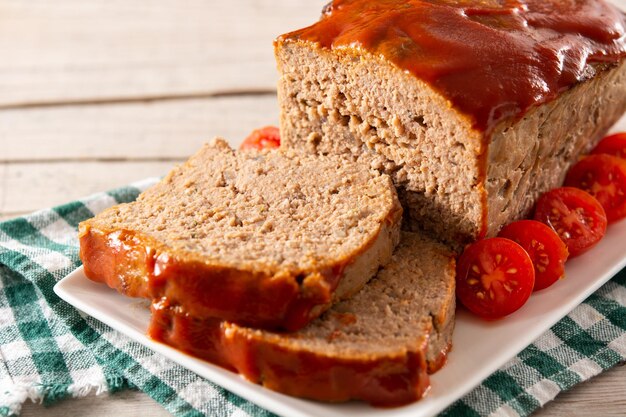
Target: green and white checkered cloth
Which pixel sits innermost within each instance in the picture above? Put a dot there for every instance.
(50, 351)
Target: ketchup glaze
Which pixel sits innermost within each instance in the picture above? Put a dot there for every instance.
(492, 59)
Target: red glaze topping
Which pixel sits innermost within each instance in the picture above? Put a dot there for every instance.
(381, 381)
(129, 262)
(492, 59)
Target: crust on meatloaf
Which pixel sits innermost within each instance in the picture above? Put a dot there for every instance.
(256, 238)
(378, 347)
(343, 90)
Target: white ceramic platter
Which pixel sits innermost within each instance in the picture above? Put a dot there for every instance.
(480, 348)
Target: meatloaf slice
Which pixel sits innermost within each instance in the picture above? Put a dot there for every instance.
(474, 108)
(267, 239)
(378, 347)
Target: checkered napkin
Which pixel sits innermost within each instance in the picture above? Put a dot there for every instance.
(50, 351)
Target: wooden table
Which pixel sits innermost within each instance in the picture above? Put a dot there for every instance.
(97, 94)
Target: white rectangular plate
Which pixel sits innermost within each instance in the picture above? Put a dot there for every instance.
(479, 348)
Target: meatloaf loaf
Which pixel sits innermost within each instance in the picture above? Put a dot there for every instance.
(267, 239)
(473, 107)
(379, 346)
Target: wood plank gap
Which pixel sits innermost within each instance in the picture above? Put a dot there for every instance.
(140, 99)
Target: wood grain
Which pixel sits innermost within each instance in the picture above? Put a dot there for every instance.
(30, 186)
(604, 395)
(75, 50)
(130, 131)
(58, 154)
(125, 403)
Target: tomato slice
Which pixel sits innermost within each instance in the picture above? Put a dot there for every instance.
(267, 137)
(612, 145)
(575, 215)
(604, 177)
(494, 278)
(545, 248)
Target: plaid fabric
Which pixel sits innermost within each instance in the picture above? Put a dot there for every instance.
(50, 351)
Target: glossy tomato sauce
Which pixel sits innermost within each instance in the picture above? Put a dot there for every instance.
(384, 381)
(492, 59)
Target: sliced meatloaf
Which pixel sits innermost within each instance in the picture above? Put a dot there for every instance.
(268, 239)
(473, 107)
(378, 347)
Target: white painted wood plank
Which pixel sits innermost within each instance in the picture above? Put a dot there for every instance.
(7, 216)
(122, 404)
(100, 49)
(29, 187)
(163, 129)
(604, 395)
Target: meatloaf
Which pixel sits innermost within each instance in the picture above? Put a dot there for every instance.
(266, 239)
(473, 107)
(379, 346)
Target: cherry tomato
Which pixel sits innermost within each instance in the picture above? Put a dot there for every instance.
(604, 177)
(494, 278)
(545, 248)
(264, 138)
(612, 145)
(575, 216)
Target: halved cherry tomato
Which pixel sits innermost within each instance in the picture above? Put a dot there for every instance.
(494, 278)
(575, 216)
(264, 138)
(612, 145)
(545, 248)
(604, 177)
